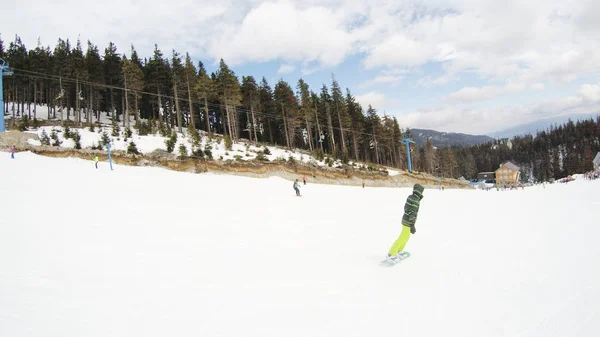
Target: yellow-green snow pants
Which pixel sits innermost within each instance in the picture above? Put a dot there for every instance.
(401, 241)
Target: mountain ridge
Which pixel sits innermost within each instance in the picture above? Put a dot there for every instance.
(442, 139)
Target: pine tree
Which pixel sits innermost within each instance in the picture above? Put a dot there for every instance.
(288, 109)
(183, 151)
(16, 56)
(157, 74)
(250, 101)
(228, 90)
(339, 104)
(94, 67)
(44, 139)
(113, 76)
(205, 90)
(189, 78)
(133, 78)
(170, 143)
(2, 47)
(79, 72)
(54, 137)
(132, 148)
(267, 108)
(177, 73)
(307, 109)
(357, 119)
(104, 139)
(77, 139)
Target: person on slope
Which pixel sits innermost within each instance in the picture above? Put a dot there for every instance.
(96, 161)
(12, 152)
(411, 209)
(297, 188)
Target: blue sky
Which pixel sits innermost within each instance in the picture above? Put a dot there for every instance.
(450, 65)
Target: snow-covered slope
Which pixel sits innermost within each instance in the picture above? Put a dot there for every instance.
(151, 252)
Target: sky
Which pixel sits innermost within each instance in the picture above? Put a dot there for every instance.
(450, 65)
(144, 251)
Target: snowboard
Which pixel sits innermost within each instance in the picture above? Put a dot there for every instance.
(390, 263)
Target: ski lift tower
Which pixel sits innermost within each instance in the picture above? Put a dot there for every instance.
(408, 141)
(4, 70)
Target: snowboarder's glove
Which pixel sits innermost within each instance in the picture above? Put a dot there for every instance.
(413, 230)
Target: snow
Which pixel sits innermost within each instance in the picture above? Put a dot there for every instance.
(241, 150)
(144, 251)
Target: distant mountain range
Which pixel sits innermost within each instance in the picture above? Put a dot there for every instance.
(540, 125)
(443, 139)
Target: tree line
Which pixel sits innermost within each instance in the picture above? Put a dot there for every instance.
(171, 93)
(554, 153)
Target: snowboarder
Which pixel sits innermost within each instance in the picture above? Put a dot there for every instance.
(297, 188)
(304, 179)
(96, 161)
(411, 209)
(12, 152)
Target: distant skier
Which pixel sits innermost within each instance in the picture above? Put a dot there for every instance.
(411, 209)
(297, 188)
(12, 152)
(304, 179)
(96, 161)
(363, 182)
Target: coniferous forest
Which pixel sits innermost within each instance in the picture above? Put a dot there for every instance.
(167, 92)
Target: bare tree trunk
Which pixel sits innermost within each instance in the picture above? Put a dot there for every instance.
(318, 126)
(308, 128)
(126, 112)
(49, 102)
(112, 105)
(287, 139)
(341, 126)
(331, 136)
(34, 99)
(160, 114)
(248, 123)
(136, 113)
(77, 116)
(376, 149)
(90, 110)
(355, 142)
(179, 125)
(192, 119)
(206, 115)
(253, 123)
(228, 119)
(270, 131)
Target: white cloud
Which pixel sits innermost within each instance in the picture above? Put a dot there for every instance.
(481, 120)
(472, 94)
(179, 25)
(377, 100)
(523, 42)
(283, 30)
(537, 86)
(590, 92)
(286, 69)
(391, 76)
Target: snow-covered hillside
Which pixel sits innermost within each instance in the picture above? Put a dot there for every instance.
(143, 251)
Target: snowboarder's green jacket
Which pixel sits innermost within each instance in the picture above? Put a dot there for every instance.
(411, 208)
